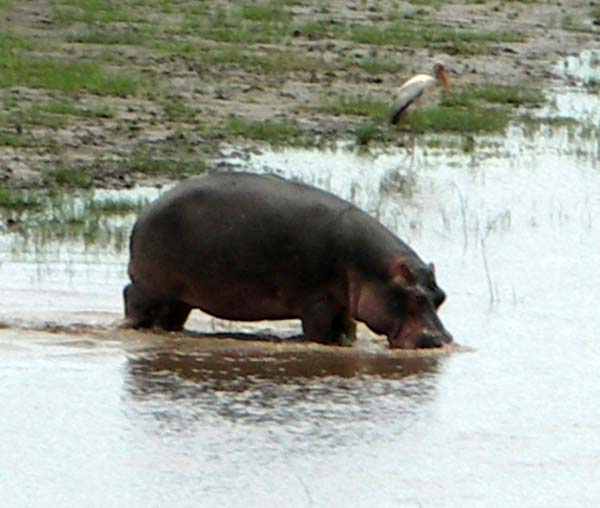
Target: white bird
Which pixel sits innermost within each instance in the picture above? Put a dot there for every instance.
(416, 89)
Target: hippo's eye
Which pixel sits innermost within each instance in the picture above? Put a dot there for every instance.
(398, 301)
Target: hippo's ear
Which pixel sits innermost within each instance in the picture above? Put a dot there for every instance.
(432, 268)
(400, 273)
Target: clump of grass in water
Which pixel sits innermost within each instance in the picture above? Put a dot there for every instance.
(80, 217)
(593, 85)
(115, 206)
(19, 200)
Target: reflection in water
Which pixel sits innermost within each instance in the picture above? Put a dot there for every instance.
(329, 396)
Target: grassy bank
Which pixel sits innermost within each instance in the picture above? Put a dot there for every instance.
(97, 91)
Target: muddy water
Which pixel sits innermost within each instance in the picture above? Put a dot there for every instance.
(96, 416)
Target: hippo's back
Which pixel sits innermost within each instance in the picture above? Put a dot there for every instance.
(239, 235)
(244, 204)
(257, 193)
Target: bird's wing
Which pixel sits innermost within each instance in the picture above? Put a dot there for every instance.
(408, 93)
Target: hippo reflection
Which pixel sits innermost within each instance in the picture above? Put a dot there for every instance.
(247, 247)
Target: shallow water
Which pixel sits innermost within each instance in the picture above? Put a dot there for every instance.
(97, 416)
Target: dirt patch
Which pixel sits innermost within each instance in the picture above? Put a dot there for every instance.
(195, 79)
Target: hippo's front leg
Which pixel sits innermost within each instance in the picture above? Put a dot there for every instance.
(140, 310)
(145, 311)
(329, 323)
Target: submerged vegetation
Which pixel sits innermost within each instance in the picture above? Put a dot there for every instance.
(39, 217)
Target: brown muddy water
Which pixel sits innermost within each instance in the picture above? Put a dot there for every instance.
(96, 416)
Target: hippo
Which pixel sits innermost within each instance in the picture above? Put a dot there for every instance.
(249, 247)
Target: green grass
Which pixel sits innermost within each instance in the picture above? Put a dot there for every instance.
(30, 116)
(246, 23)
(7, 5)
(26, 140)
(595, 12)
(234, 34)
(175, 166)
(273, 62)
(177, 109)
(380, 66)
(436, 4)
(67, 176)
(274, 133)
(318, 29)
(90, 11)
(366, 133)
(115, 206)
(69, 77)
(109, 37)
(456, 120)
(568, 22)
(19, 200)
(359, 106)
(520, 95)
(271, 12)
(433, 36)
(68, 107)
(10, 42)
(593, 85)
(485, 108)
(52, 114)
(16, 140)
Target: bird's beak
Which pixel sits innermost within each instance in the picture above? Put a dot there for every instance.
(444, 82)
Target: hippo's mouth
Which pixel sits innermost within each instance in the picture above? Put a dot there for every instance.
(397, 339)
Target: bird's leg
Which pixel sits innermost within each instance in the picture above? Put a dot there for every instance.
(412, 154)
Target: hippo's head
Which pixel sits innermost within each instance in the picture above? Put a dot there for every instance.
(403, 306)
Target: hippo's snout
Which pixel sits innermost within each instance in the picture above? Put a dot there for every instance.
(431, 340)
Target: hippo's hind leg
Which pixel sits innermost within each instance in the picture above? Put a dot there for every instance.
(325, 322)
(144, 311)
